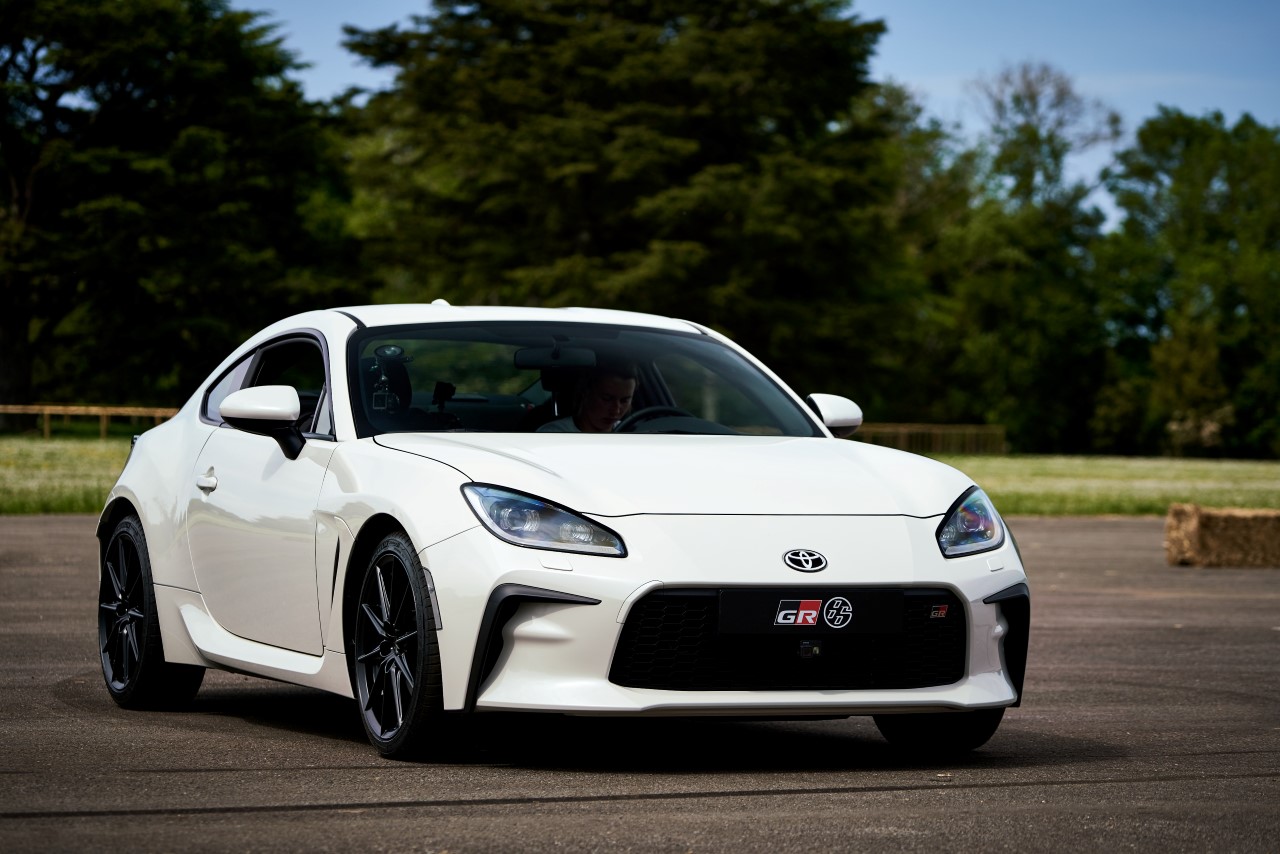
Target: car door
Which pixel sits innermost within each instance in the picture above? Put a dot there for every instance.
(251, 513)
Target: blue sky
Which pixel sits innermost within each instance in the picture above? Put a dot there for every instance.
(1131, 54)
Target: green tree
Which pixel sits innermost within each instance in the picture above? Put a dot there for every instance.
(722, 161)
(1198, 254)
(938, 179)
(166, 188)
(1017, 268)
(1037, 119)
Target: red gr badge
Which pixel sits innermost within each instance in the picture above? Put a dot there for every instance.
(798, 612)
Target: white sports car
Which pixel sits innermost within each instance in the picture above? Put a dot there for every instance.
(441, 510)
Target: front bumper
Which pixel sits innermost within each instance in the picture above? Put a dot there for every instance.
(548, 637)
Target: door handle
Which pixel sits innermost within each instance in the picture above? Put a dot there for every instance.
(207, 482)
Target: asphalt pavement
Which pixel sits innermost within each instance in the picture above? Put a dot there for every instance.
(1151, 722)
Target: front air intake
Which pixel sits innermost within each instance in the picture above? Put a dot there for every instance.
(736, 640)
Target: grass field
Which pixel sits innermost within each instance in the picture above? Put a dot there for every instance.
(1079, 486)
(59, 475)
(66, 475)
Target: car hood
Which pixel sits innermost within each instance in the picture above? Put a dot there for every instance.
(616, 475)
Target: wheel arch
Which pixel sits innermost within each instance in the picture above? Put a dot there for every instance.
(371, 533)
(118, 508)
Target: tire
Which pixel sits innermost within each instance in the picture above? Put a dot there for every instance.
(940, 734)
(394, 654)
(129, 642)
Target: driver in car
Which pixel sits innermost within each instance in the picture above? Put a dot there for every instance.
(604, 401)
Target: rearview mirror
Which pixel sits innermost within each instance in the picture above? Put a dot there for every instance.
(840, 414)
(267, 410)
(540, 358)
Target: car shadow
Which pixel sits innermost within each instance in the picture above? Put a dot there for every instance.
(614, 744)
(652, 745)
(291, 708)
(708, 745)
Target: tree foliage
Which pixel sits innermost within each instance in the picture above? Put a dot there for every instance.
(1007, 329)
(1037, 118)
(1197, 267)
(719, 160)
(166, 189)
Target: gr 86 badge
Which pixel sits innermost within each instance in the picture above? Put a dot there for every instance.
(836, 612)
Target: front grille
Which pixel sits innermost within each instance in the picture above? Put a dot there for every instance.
(676, 640)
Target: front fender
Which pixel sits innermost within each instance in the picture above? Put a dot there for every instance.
(369, 490)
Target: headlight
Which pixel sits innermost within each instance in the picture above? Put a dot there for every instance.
(972, 526)
(527, 521)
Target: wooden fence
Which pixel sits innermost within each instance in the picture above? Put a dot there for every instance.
(936, 438)
(105, 413)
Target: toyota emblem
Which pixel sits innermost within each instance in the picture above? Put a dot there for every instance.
(805, 560)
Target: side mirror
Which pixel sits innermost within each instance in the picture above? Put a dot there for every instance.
(841, 415)
(267, 410)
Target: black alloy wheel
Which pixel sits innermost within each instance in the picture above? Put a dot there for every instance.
(129, 642)
(396, 662)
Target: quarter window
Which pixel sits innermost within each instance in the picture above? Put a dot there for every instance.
(232, 380)
(297, 362)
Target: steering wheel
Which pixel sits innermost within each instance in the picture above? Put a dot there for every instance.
(649, 413)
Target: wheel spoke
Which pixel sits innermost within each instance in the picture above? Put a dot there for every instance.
(382, 596)
(132, 575)
(395, 690)
(402, 664)
(124, 659)
(405, 598)
(372, 684)
(384, 697)
(122, 565)
(134, 652)
(116, 586)
(379, 625)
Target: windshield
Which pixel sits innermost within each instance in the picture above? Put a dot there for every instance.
(568, 377)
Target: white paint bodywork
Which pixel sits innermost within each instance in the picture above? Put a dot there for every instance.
(249, 574)
(841, 415)
(269, 402)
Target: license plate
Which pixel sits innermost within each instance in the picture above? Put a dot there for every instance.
(808, 611)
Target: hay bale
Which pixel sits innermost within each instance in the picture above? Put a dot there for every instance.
(1204, 536)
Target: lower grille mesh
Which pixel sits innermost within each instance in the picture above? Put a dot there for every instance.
(672, 640)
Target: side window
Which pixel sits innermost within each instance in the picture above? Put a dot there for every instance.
(299, 363)
(232, 380)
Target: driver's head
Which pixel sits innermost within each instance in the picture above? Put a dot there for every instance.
(606, 398)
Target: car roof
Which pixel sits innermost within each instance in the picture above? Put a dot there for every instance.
(442, 312)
